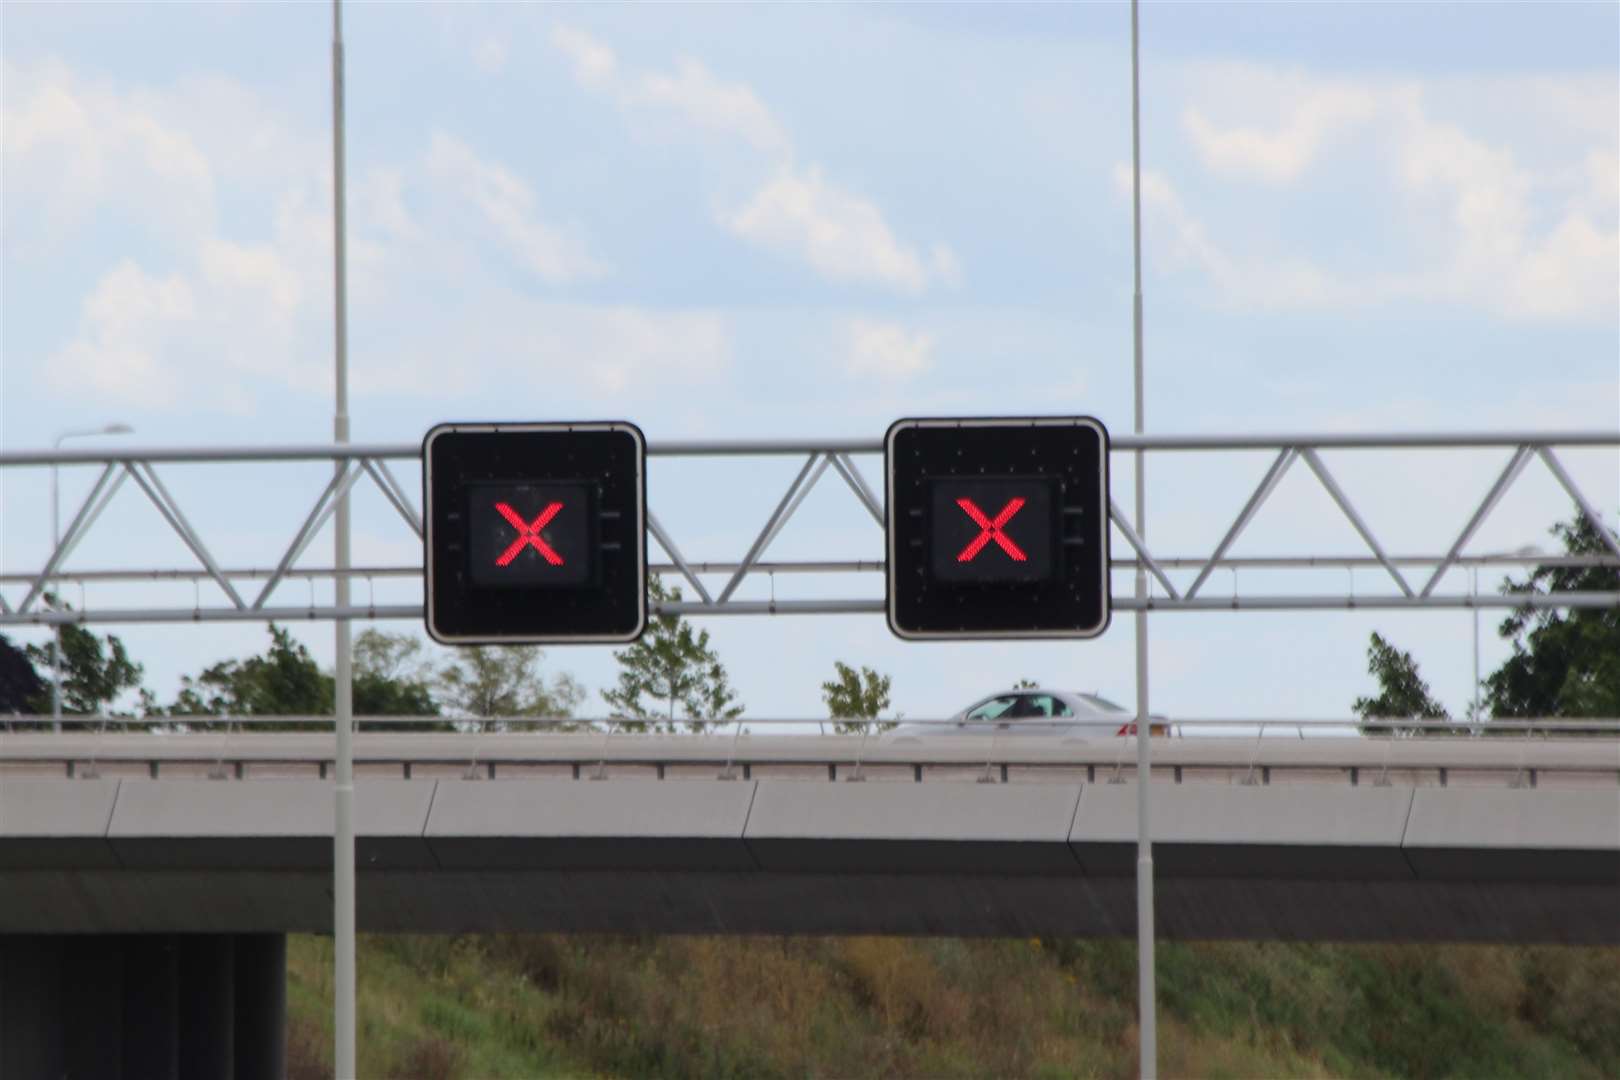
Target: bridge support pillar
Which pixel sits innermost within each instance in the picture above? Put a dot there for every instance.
(143, 1005)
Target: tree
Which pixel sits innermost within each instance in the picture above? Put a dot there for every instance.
(670, 668)
(285, 681)
(1563, 663)
(853, 696)
(391, 678)
(505, 680)
(95, 670)
(21, 688)
(1401, 691)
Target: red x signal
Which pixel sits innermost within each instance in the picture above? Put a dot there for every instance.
(528, 533)
(990, 529)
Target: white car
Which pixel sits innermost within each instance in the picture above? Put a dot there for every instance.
(1037, 711)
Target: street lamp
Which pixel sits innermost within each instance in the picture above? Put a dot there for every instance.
(56, 542)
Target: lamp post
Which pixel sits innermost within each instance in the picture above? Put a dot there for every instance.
(1147, 1008)
(56, 542)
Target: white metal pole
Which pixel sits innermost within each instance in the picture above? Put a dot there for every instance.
(1473, 594)
(1146, 999)
(343, 834)
(56, 653)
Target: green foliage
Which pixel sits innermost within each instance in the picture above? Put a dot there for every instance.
(95, 670)
(1401, 691)
(853, 696)
(390, 677)
(429, 1008)
(505, 680)
(20, 685)
(1563, 663)
(1026, 684)
(672, 667)
(285, 681)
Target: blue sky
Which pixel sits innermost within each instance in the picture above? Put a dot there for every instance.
(742, 221)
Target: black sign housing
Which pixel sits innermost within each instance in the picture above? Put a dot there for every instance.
(998, 528)
(535, 533)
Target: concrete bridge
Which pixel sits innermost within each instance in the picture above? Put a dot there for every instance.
(147, 881)
(1488, 839)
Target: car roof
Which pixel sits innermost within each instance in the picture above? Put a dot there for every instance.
(1096, 701)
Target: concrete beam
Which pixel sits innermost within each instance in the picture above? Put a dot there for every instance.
(618, 824)
(709, 856)
(55, 823)
(172, 824)
(706, 902)
(1500, 834)
(1278, 831)
(913, 828)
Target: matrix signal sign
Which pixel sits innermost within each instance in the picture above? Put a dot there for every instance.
(998, 528)
(535, 532)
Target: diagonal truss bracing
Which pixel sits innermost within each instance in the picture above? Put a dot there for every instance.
(1268, 484)
(818, 457)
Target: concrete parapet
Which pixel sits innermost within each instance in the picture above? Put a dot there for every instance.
(1515, 833)
(1218, 830)
(899, 828)
(269, 823)
(56, 823)
(630, 824)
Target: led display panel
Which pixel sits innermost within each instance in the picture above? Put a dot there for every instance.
(991, 530)
(524, 535)
(997, 528)
(535, 533)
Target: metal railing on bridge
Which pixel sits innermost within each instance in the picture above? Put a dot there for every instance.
(1528, 752)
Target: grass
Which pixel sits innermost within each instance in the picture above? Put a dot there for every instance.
(541, 1005)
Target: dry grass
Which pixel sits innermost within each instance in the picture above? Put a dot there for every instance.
(526, 1005)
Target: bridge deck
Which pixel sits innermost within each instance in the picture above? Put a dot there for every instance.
(1279, 860)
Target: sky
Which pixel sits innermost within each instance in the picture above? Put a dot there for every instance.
(808, 221)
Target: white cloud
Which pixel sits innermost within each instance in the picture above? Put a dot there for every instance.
(1314, 113)
(841, 235)
(589, 356)
(708, 102)
(508, 206)
(1575, 271)
(798, 213)
(692, 92)
(490, 55)
(127, 324)
(1603, 183)
(379, 202)
(1524, 235)
(1264, 284)
(594, 64)
(887, 351)
(215, 317)
(619, 350)
(1498, 255)
(185, 310)
(72, 147)
(236, 315)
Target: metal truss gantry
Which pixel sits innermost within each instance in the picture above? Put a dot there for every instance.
(27, 603)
